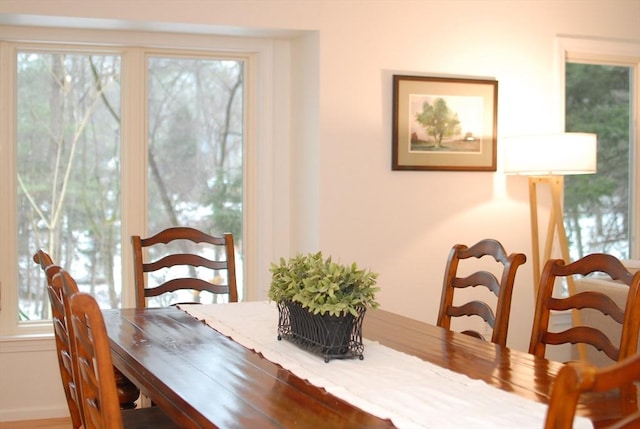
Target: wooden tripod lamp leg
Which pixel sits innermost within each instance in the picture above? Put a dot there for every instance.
(557, 190)
(555, 226)
(535, 241)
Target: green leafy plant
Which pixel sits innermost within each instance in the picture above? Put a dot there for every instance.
(322, 285)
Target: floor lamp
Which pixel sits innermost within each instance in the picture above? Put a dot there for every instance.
(546, 159)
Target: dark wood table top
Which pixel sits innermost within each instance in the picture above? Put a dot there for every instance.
(204, 379)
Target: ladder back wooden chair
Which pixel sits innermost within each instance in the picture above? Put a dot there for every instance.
(183, 250)
(95, 379)
(127, 391)
(579, 377)
(546, 302)
(63, 348)
(498, 320)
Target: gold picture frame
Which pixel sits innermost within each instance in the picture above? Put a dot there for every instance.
(444, 123)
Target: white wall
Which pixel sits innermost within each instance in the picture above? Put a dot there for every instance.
(30, 386)
(345, 199)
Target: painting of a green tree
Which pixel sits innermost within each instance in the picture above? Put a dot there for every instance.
(446, 123)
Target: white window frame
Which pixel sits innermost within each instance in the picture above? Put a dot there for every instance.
(621, 52)
(264, 120)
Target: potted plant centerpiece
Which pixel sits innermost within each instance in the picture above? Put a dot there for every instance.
(322, 303)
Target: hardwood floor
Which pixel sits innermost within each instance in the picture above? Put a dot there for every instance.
(60, 423)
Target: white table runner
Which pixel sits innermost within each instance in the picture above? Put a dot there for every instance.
(412, 393)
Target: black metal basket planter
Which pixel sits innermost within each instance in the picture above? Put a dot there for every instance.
(333, 337)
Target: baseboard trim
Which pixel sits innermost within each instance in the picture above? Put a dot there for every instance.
(57, 423)
(33, 414)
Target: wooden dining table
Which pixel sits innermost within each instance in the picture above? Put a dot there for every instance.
(203, 379)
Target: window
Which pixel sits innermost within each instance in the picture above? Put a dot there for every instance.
(602, 210)
(115, 110)
(69, 143)
(68, 180)
(195, 129)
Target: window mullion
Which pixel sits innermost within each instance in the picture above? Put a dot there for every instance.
(134, 161)
(635, 153)
(8, 258)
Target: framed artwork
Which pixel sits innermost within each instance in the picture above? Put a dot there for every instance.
(444, 123)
